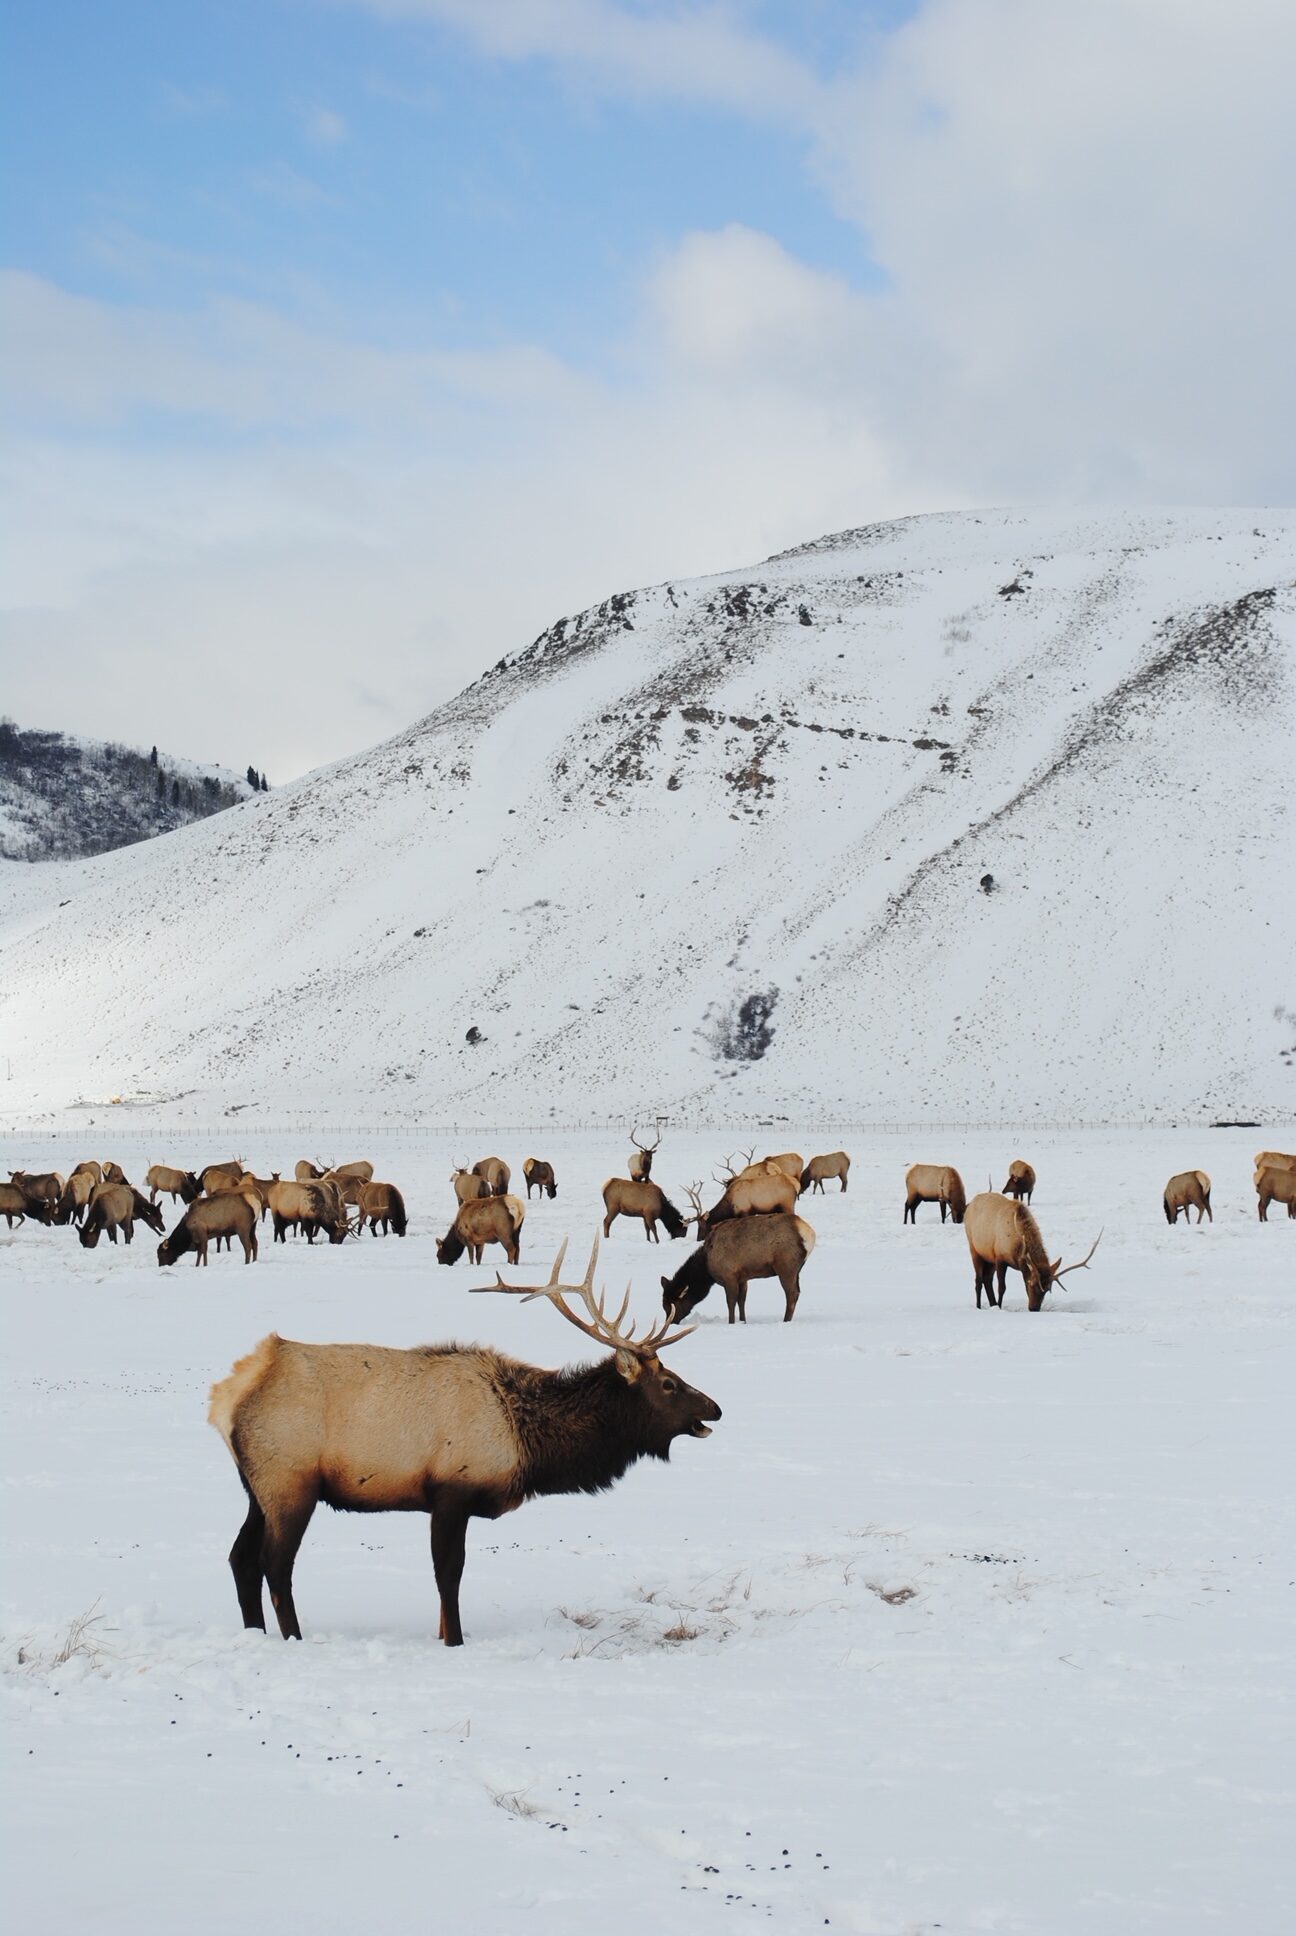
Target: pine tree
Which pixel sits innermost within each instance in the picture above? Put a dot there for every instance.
(153, 756)
(175, 793)
(252, 778)
(161, 784)
(265, 784)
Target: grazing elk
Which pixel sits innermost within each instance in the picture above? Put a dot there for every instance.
(540, 1175)
(820, 1168)
(93, 1170)
(114, 1207)
(1276, 1186)
(1021, 1180)
(489, 1220)
(1003, 1235)
(230, 1214)
(640, 1164)
(307, 1172)
(301, 1206)
(934, 1183)
(1188, 1191)
(15, 1204)
(77, 1192)
(165, 1182)
(734, 1253)
(382, 1203)
(112, 1173)
(496, 1173)
(622, 1197)
(745, 1195)
(457, 1431)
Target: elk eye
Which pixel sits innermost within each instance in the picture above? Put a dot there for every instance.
(668, 1384)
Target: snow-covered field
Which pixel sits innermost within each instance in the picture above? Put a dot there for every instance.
(961, 1620)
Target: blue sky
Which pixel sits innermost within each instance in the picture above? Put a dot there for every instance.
(381, 332)
(382, 172)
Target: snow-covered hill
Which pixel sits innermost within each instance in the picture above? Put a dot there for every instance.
(64, 797)
(975, 817)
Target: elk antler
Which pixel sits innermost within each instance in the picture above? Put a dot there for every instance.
(602, 1328)
(647, 1148)
(1084, 1261)
(693, 1191)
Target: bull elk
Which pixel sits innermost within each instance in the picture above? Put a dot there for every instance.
(460, 1432)
(1021, 1180)
(1003, 1235)
(381, 1203)
(640, 1164)
(820, 1168)
(934, 1183)
(733, 1254)
(1188, 1191)
(227, 1215)
(1276, 1186)
(623, 1197)
(539, 1175)
(496, 1172)
(488, 1220)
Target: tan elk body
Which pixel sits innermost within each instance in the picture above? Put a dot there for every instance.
(539, 1175)
(1002, 1235)
(820, 1168)
(227, 1215)
(496, 1173)
(623, 1197)
(1021, 1180)
(1190, 1190)
(733, 1254)
(1276, 1186)
(934, 1183)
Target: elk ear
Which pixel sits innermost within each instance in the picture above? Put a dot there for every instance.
(630, 1365)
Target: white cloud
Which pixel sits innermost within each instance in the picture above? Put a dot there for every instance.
(325, 127)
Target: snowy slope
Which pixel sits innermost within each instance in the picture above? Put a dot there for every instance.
(64, 797)
(750, 813)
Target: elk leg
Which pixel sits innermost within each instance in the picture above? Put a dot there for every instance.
(1002, 1271)
(843, 1186)
(278, 1552)
(791, 1292)
(449, 1535)
(943, 1206)
(607, 1224)
(245, 1565)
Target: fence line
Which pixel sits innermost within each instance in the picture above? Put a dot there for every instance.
(229, 1131)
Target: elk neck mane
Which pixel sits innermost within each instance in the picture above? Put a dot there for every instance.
(578, 1429)
(1032, 1242)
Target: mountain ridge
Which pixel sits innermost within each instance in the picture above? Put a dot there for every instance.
(721, 846)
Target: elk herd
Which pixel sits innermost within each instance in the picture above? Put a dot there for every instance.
(223, 1202)
(463, 1432)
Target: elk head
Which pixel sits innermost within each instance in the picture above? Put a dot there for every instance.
(671, 1409)
(1041, 1279)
